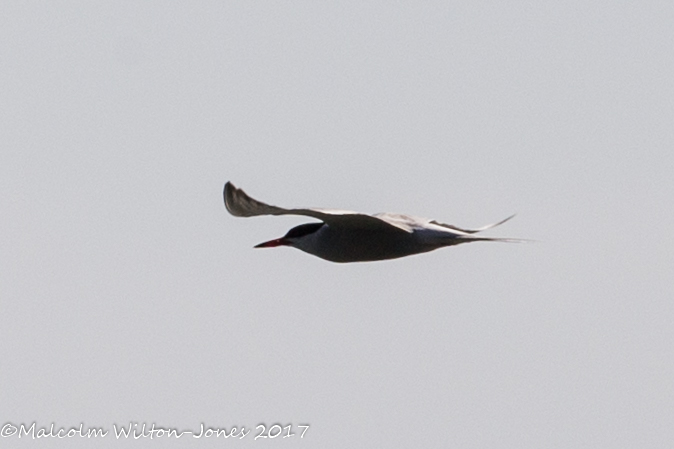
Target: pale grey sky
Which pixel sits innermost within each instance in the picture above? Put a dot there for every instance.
(129, 294)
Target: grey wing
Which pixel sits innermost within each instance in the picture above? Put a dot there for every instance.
(471, 231)
(239, 204)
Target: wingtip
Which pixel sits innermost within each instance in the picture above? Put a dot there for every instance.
(228, 186)
(493, 225)
(238, 203)
(506, 219)
(228, 195)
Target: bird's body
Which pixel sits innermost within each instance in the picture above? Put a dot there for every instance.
(344, 236)
(342, 244)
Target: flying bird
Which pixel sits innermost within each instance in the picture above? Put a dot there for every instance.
(344, 236)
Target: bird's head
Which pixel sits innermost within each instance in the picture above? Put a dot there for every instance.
(293, 236)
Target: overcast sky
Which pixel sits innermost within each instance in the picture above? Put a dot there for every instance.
(129, 294)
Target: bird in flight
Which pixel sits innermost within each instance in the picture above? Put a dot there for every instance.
(344, 236)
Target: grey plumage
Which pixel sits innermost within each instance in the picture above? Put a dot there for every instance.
(346, 236)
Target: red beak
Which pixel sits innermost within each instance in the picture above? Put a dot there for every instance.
(273, 243)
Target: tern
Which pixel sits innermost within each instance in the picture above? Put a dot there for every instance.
(344, 236)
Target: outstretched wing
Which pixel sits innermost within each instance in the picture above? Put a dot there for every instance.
(412, 224)
(471, 231)
(239, 204)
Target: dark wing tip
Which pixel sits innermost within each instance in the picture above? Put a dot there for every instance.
(239, 204)
(227, 194)
(232, 196)
(500, 222)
